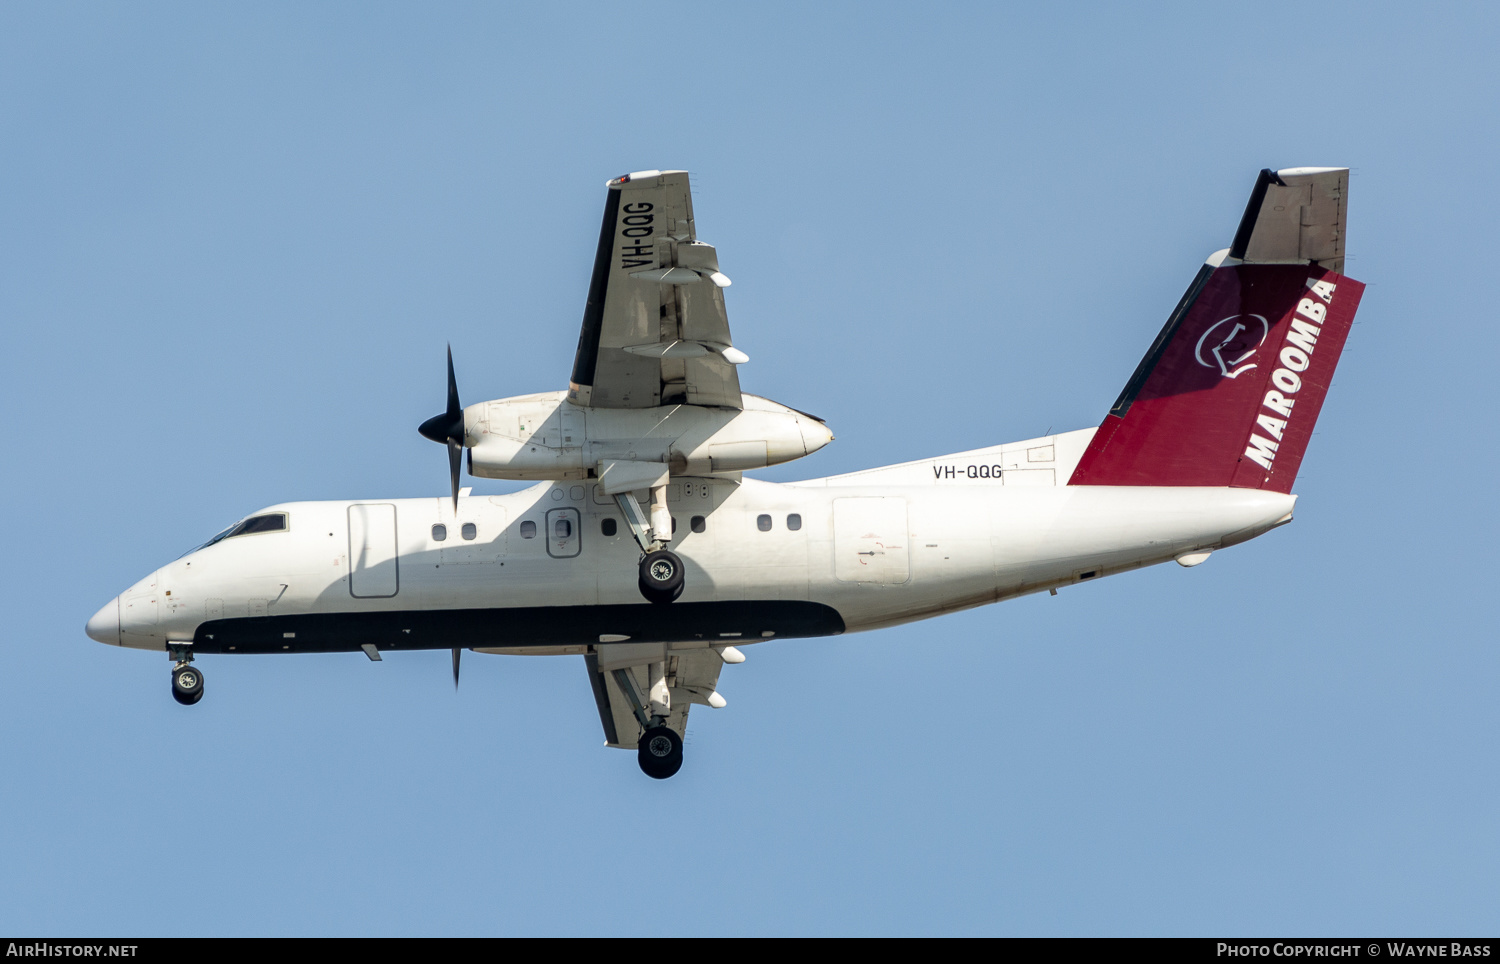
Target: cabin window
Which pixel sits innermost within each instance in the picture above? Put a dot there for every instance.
(528, 530)
(607, 527)
(469, 531)
(763, 523)
(794, 521)
(439, 532)
(697, 523)
(562, 528)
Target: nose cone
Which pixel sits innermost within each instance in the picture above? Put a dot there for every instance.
(815, 435)
(105, 624)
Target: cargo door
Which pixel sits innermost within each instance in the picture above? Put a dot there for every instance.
(870, 541)
(372, 550)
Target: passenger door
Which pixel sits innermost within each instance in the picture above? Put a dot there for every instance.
(564, 533)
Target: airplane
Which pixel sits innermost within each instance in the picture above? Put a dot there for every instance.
(644, 549)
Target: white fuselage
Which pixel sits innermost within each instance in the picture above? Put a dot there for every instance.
(540, 575)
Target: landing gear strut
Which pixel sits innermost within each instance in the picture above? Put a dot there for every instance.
(661, 578)
(187, 682)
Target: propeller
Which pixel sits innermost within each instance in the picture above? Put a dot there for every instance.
(456, 653)
(448, 428)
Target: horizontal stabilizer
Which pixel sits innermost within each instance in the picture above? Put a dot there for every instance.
(1295, 216)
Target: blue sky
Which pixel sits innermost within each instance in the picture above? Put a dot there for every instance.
(236, 238)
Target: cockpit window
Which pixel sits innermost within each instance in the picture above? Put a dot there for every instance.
(259, 523)
(273, 522)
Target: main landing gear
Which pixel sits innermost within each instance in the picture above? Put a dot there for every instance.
(661, 577)
(659, 751)
(187, 682)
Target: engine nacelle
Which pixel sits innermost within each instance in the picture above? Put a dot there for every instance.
(544, 436)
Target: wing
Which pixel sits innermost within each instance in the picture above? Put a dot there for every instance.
(654, 327)
(692, 676)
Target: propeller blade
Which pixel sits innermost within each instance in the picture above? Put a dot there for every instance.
(455, 410)
(455, 459)
(448, 429)
(456, 653)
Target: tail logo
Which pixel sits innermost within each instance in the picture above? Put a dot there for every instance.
(1231, 342)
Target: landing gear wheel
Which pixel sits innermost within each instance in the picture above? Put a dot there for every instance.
(660, 752)
(661, 576)
(187, 685)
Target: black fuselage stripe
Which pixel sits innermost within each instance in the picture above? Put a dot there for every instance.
(717, 622)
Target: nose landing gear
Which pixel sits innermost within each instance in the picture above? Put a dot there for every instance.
(187, 682)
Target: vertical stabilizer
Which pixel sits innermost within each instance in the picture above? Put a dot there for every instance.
(1230, 390)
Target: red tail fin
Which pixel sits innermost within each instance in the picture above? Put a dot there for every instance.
(1229, 393)
(1231, 389)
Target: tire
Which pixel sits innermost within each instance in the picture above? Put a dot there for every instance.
(187, 685)
(661, 576)
(660, 752)
(648, 592)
